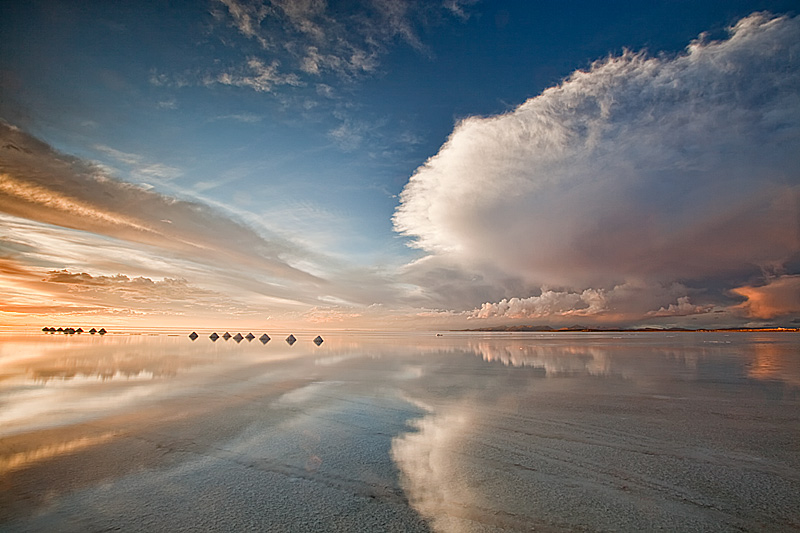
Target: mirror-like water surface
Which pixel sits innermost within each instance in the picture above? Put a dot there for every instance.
(462, 432)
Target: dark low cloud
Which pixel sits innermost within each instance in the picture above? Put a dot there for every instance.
(30, 291)
(132, 295)
(139, 288)
(641, 171)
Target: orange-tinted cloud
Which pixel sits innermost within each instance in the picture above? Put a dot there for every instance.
(41, 184)
(36, 294)
(128, 249)
(780, 297)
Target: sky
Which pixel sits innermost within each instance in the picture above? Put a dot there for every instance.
(386, 164)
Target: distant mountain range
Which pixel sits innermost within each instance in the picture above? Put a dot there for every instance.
(578, 327)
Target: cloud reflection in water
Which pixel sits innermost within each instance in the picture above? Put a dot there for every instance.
(466, 431)
(621, 421)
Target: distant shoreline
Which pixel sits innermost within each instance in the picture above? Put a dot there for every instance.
(548, 329)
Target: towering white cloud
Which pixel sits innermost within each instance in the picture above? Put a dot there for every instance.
(642, 169)
(549, 303)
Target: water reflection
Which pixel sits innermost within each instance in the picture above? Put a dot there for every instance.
(757, 357)
(462, 432)
(682, 423)
(50, 381)
(22, 459)
(432, 475)
(773, 360)
(58, 358)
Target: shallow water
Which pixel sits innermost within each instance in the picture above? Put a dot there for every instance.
(401, 432)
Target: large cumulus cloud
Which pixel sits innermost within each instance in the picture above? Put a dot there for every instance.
(646, 170)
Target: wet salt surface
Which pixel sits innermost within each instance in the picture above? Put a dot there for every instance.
(464, 432)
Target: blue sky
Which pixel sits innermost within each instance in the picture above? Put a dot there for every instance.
(294, 128)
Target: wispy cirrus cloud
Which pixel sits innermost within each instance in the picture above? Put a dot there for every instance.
(643, 171)
(41, 184)
(349, 134)
(49, 272)
(257, 75)
(317, 38)
(460, 8)
(300, 41)
(75, 240)
(247, 17)
(126, 248)
(247, 118)
(139, 167)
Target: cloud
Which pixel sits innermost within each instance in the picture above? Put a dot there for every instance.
(623, 304)
(246, 16)
(247, 118)
(32, 291)
(170, 103)
(41, 184)
(121, 294)
(76, 239)
(326, 91)
(137, 288)
(641, 170)
(349, 134)
(778, 298)
(549, 303)
(256, 75)
(330, 315)
(122, 281)
(139, 167)
(61, 212)
(683, 307)
(308, 35)
(312, 39)
(459, 7)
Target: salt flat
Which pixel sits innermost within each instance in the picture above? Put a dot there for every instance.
(401, 432)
